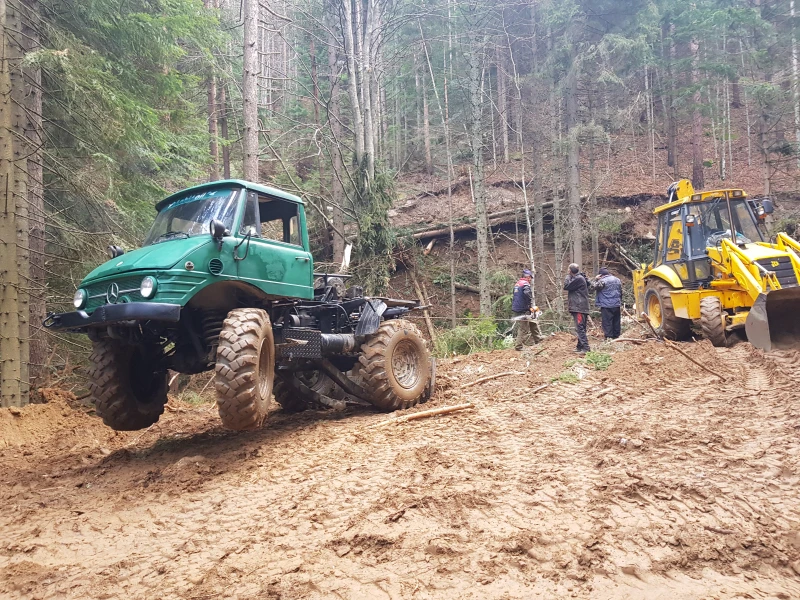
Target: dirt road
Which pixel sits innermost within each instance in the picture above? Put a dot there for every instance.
(652, 479)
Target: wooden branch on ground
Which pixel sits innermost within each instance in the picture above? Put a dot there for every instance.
(539, 389)
(633, 340)
(425, 414)
(488, 377)
(675, 347)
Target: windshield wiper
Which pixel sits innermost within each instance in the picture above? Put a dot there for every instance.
(171, 234)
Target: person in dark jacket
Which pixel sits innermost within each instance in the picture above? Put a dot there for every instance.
(525, 324)
(577, 287)
(609, 301)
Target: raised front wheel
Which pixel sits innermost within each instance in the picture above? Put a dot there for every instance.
(128, 384)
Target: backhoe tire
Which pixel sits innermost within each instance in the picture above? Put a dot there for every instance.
(658, 306)
(128, 384)
(712, 323)
(245, 369)
(294, 401)
(395, 365)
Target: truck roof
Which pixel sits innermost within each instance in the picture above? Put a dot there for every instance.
(702, 197)
(262, 189)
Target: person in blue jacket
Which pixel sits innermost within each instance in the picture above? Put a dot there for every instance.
(609, 301)
(525, 325)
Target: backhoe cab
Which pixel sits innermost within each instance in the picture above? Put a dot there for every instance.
(713, 266)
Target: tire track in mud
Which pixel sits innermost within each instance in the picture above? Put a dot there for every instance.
(522, 495)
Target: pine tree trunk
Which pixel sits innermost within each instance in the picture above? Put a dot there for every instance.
(14, 266)
(222, 113)
(426, 127)
(573, 168)
(250, 90)
(475, 58)
(36, 215)
(698, 176)
(502, 103)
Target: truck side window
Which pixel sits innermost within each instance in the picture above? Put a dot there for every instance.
(279, 221)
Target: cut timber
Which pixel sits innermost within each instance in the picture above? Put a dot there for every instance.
(425, 414)
(489, 377)
(497, 218)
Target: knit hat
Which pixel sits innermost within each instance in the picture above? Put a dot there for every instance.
(526, 272)
(603, 271)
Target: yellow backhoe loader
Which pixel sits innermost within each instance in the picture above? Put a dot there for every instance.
(713, 266)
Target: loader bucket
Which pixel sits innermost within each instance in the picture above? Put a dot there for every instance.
(774, 320)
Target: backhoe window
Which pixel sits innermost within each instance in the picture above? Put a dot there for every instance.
(746, 230)
(191, 215)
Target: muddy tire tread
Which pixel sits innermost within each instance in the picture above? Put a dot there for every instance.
(236, 369)
(114, 401)
(711, 322)
(373, 366)
(672, 326)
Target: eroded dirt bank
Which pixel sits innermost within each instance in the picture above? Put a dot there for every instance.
(653, 479)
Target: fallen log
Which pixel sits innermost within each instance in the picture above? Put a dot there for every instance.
(467, 288)
(497, 218)
(424, 414)
(488, 377)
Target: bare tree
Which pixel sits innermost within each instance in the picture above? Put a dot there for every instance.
(250, 90)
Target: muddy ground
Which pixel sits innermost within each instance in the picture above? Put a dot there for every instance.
(652, 479)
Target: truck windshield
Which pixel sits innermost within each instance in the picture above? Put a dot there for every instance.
(190, 216)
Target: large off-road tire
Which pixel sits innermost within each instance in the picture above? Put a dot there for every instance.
(292, 400)
(128, 384)
(395, 365)
(245, 369)
(712, 322)
(658, 306)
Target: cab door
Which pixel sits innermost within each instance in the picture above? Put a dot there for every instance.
(276, 257)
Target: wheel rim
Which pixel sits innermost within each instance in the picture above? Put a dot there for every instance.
(405, 364)
(654, 310)
(264, 360)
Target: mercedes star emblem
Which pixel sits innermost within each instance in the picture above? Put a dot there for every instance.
(112, 295)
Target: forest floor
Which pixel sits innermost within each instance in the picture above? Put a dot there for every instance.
(652, 479)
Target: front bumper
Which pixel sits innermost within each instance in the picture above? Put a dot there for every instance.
(110, 314)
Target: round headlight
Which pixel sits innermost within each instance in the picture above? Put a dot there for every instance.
(148, 287)
(79, 299)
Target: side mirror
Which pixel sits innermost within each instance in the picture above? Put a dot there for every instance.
(114, 251)
(217, 229)
(768, 206)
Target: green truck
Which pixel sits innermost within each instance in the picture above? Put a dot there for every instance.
(225, 280)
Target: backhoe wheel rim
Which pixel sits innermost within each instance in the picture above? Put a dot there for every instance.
(264, 360)
(405, 364)
(654, 310)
